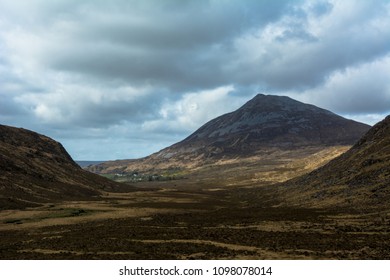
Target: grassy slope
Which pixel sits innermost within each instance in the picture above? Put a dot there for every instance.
(360, 177)
(35, 169)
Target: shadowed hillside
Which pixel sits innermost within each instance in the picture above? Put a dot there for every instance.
(35, 169)
(360, 177)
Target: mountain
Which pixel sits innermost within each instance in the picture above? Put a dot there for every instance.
(359, 178)
(274, 121)
(264, 123)
(35, 169)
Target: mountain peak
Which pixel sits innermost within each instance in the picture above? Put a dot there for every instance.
(270, 120)
(268, 99)
(265, 123)
(278, 103)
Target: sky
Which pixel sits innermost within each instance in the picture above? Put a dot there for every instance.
(125, 78)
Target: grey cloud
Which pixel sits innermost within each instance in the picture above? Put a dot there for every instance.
(372, 100)
(110, 113)
(321, 8)
(289, 63)
(358, 90)
(94, 110)
(360, 98)
(10, 88)
(297, 34)
(64, 64)
(189, 45)
(9, 109)
(166, 44)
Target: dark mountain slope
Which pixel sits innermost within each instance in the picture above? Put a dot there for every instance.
(264, 123)
(276, 121)
(35, 169)
(360, 177)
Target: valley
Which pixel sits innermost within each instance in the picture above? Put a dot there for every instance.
(194, 130)
(287, 181)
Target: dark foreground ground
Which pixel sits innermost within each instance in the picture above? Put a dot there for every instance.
(198, 223)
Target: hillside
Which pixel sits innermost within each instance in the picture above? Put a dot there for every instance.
(266, 127)
(359, 178)
(35, 169)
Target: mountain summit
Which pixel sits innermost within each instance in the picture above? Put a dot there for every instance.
(269, 120)
(263, 123)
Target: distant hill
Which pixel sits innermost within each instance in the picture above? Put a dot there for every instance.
(263, 124)
(359, 178)
(35, 169)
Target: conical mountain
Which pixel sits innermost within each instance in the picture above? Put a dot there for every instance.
(359, 178)
(263, 123)
(269, 120)
(35, 169)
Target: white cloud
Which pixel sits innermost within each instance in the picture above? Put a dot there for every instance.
(86, 106)
(194, 109)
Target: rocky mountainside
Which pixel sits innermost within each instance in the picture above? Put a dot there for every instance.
(264, 123)
(35, 169)
(359, 178)
(274, 121)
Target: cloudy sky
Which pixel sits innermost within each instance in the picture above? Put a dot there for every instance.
(125, 78)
